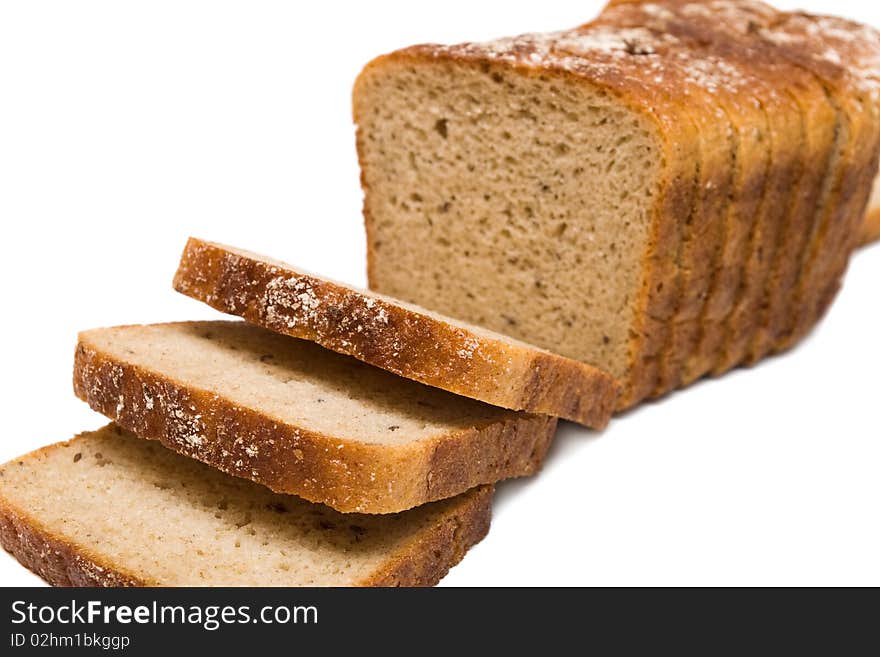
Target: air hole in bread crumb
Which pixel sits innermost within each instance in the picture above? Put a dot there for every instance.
(441, 126)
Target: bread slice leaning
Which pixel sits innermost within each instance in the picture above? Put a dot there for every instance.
(300, 419)
(108, 509)
(395, 336)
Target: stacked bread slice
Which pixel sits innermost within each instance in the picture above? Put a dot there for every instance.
(335, 438)
(666, 192)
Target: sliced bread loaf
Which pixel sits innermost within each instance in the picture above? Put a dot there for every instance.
(300, 419)
(472, 158)
(108, 509)
(395, 336)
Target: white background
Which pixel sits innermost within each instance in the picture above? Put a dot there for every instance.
(127, 126)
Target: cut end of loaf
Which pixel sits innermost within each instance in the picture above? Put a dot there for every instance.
(186, 524)
(511, 198)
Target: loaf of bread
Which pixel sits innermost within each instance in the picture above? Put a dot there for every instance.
(108, 509)
(401, 338)
(669, 191)
(301, 419)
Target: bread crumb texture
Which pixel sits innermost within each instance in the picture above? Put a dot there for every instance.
(109, 509)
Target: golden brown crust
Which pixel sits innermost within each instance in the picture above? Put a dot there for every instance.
(357, 477)
(821, 126)
(427, 559)
(774, 92)
(844, 56)
(395, 337)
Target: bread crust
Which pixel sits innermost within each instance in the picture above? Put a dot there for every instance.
(814, 43)
(346, 475)
(799, 122)
(394, 336)
(423, 561)
(732, 179)
(821, 124)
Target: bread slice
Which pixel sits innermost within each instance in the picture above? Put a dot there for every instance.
(769, 125)
(820, 159)
(844, 57)
(731, 192)
(300, 419)
(785, 136)
(107, 509)
(870, 228)
(401, 338)
(800, 138)
(703, 235)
